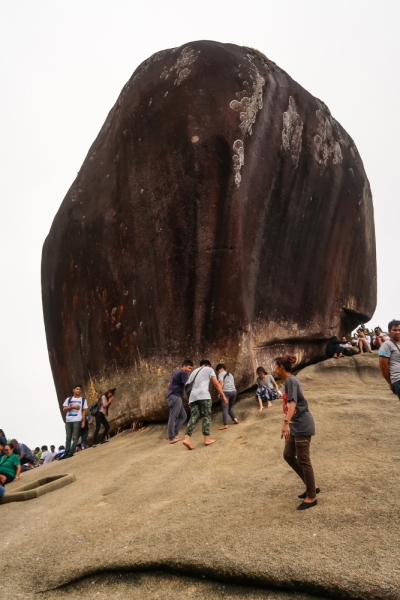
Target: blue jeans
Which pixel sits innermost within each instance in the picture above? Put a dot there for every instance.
(72, 429)
(396, 387)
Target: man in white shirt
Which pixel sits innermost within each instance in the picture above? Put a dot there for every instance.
(46, 457)
(75, 410)
(200, 401)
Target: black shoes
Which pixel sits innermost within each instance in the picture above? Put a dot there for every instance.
(304, 495)
(305, 505)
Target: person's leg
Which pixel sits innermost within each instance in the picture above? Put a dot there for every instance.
(289, 454)
(259, 400)
(106, 426)
(302, 444)
(191, 424)
(174, 411)
(232, 399)
(181, 419)
(225, 408)
(68, 432)
(396, 388)
(84, 439)
(98, 425)
(76, 429)
(205, 409)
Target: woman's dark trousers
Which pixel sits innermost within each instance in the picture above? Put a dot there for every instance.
(297, 455)
(101, 420)
(227, 408)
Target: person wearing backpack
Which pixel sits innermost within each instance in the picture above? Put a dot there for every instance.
(75, 409)
(200, 402)
(228, 385)
(101, 415)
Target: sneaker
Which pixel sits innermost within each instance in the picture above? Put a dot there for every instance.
(94, 446)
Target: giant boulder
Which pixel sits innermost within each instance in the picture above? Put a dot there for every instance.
(222, 212)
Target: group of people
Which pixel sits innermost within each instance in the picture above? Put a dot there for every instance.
(298, 426)
(362, 341)
(15, 457)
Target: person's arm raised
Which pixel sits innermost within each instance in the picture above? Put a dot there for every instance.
(219, 389)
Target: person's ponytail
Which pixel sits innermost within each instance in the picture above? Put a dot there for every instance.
(286, 361)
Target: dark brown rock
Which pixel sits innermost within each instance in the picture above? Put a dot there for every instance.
(221, 212)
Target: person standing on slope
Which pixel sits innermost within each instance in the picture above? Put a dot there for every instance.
(200, 401)
(101, 416)
(75, 409)
(389, 357)
(177, 414)
(298, 428)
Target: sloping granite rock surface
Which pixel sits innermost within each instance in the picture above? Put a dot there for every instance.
(224, 513)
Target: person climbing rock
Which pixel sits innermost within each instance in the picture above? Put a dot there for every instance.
(177, 413)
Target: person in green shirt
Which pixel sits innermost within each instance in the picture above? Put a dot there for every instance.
(10, 466)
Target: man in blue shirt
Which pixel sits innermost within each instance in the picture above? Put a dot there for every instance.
(177, 414)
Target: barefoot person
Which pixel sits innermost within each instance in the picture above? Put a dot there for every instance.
(177, 414)
(363, 341)
(389, 358)
(200, 401)
(298, 428)
(263, 387)
(227, 382)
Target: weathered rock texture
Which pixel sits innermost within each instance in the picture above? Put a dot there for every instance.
(222, 212)
(225, 513)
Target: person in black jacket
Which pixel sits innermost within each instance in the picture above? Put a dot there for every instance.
(333, 348)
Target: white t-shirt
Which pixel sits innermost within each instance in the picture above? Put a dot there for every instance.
(74, 415)
(227, 381)
(200, 390)
(47, 457)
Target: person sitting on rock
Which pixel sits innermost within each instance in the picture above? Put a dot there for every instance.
(265, 385)
(227, 382)
(25, 454)
(379, 338)
(334, 348)
(46, 456)
(10, 466)
(364, 341)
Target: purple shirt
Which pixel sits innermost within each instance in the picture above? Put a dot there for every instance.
(177, 383)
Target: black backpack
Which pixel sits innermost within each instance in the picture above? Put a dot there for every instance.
(94, 409)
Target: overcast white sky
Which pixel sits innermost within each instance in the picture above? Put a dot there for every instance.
(62, 66)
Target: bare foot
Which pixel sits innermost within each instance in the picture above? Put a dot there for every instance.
(236, 421)
(186, 442)
(260, 409)
(176, 439)
(208, 441)
(223, 427)
(269, 405)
